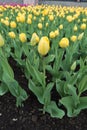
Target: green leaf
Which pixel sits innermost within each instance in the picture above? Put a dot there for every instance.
(72, 91)
(38, 91)
(47, 95)
(49, 68)
(1, 72)
(60, 87)
(81, 63)
(6, 67)
(73, 78)
(54, 111)
(58, 60)
(34, 72)
(83, 103)
(25, 48)
(15, 89)
(49, 59)
(82, 86)
(23, 96)
(68, 102)
(3, 89)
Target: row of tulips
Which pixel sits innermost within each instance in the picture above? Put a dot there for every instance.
(49, 44)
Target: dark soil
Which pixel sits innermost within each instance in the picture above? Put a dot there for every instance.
(30, 117)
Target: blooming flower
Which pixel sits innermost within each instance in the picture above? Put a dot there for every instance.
(51, 17)
(13, 24)
(69, 18)
(22, 37)
(12, 35)
(40, 25)
(44, 46)
(64, 42)
(56, 32)
(6, 22)
(22, 18)
(29, 21)
(73, 38)
(52, 34)
(83, 26)
(60, 26)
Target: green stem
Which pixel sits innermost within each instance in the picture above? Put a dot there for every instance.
(44, 73)
(44, 82)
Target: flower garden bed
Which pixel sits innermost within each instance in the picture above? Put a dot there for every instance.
(43, 67)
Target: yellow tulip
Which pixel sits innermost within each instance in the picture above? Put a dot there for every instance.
(51, 17)
(60, 26)
(40, 25)
(75, 28)
(83, 26)
(1, 41)
(44, 46)
(64, 42)
(12, 35)
(30, 16)
(84, 20)
(69, 18)
(22, 37)
(45, 12)
(34, 39)
(22, 18)
(56, 32)
(13, 24)
(18, 18)
(29, 21)
(6, 22)
(73, 38)
(52, 34)
(34, 18)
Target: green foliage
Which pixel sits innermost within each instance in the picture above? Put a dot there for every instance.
(9, 83)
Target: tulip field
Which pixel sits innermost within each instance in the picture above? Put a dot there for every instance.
(49, 45)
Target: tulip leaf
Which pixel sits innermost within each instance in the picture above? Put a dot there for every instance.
(6, 67)
(49, 59)
(38, 91)
(54, 111)
(34, 72)
(3, 89)
(82, 86)
(47, 93)
(68, 102)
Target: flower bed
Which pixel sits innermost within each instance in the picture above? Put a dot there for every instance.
(49, 45)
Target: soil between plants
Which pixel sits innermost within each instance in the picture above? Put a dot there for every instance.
(29, 117)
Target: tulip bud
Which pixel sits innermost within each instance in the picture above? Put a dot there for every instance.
(13, 24)
(34, 39)
(73, 38)
(52, 34)
(64, 42)
(73, 67)
(44, 46)
(83, 26)
(80, 36)
(22, 37)
(12, 35)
